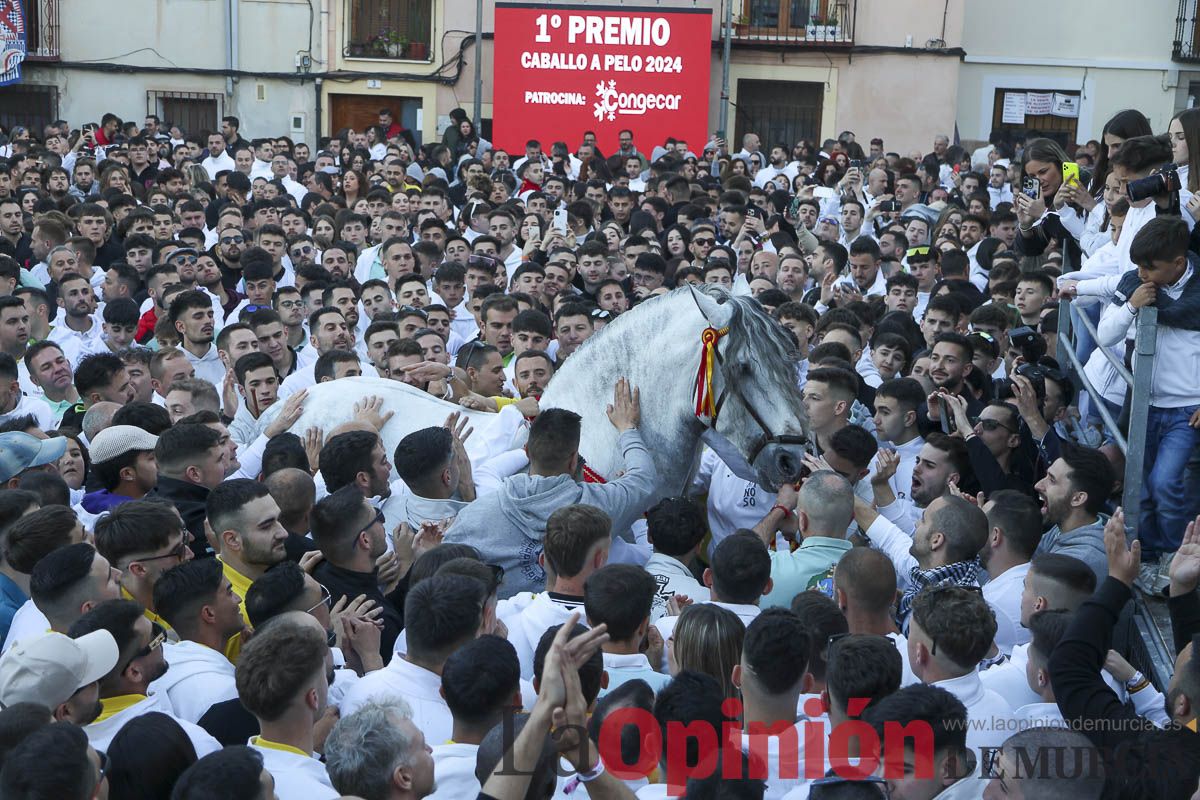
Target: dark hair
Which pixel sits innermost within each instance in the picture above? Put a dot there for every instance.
(591, 672)
(862, 666)
(822, 619)
(571, 533)
(51, 764)
(59, 578)
(676, 525)
(227, 500)
(620, 596)
(17, 722)
(147, 756)
(441, 614)
(1160, 239)
(691, 697)
(1047, 629)
(150, 417)
(37, 534)
(854, 444)
(1127, 124)
(1019, 517)
(232, 773)
(480, 679)
(274, 592)
(741, 567)
(423, 454)
(96, 370)
(1074, 577)
(553, 436)
(344, 456)
(275, 664)
(337, 520)
(138, 526)
(944, 713)
(906, 391)
(1091, 473)
(182, 444)
(1141, 152)
(184, 589)
(13, 505)
(51, 488)
(959, 621)
(777, 649)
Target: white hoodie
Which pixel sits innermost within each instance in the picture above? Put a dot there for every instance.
(197, 678)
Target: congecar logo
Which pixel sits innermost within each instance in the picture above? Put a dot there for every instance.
(611, 102)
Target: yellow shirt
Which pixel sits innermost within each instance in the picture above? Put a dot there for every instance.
(111, 706)
(155, 618)
(258, 741)
(241, 585)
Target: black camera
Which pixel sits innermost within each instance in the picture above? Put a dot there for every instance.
(1035, 373)
(1029, 342)
(889, 205)
(1165, 181)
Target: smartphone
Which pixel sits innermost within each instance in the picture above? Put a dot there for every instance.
(754, 211)
(1031, 188)
(560, 220)
(856, 163)
(948, 425)
(824, 192)
(1070, 172)
(889, 205)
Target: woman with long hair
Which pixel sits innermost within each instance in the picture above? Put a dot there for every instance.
(1044, 160)
(1123, 125)
(707, 639)
(354, 186)
(1184, 133)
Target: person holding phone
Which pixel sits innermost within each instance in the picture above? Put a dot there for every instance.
(1039, 218)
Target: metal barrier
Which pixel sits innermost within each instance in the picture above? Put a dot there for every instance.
(1151, 649)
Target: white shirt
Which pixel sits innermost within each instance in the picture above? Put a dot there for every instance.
(39, 409)
(218, 164)
(297, 777)
(454, 771)
(1003, 594)
(733, 502)
(907, 676)
(526, 628)
(990, 714)
(197, 678)
(100, 734)
(672, 577)
(419, 687)
(27, 623)
(80, 342)
(208, 367)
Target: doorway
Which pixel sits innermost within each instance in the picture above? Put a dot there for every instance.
(358, 111)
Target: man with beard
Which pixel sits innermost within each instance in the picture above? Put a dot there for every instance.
(59, 673)
(50, 371)
(80, 330)
(350, 532)
(191, 315)
(272, 335)
(357, 458)
(941, 461)
(125, 690)
(327, 331)
(1014, 530)
(228, 253)
(949, 364)
(208, 278)
(1073, 494)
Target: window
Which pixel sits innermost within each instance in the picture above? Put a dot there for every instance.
(779, 111)
(191, 111)
(399, 29)
(1060, 129)
(29, 105)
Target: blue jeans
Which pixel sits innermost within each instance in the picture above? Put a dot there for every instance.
(1168, 500)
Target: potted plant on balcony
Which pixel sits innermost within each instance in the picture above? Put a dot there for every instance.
(388, 42)
(823, 27)
(418, 51)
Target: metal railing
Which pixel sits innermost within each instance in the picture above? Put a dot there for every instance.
(1151, 648)
(795, 22)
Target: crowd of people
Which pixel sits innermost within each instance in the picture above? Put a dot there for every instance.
(200, 600)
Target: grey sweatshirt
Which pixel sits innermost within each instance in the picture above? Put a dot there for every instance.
(1085, 543)
(508, 525)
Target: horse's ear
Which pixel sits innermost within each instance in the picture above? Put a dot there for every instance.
(715, 307)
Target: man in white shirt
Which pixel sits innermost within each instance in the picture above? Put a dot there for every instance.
(329, 331)
(14, 404)
(81, 328)
(218, 160)
(675, 528)
(864, 587)
(951, 631)
(441, 614)
(124, 691)
(1014, 530)
(896, 405)
(191, 314)
(381, 733)
(619, 596)
(479, 683)
(733, 503)
(197, 601)
(283, 677)
(59, 673)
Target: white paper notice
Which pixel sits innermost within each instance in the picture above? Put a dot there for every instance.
(1014, 108)
(1038, 103)
(1066, 105)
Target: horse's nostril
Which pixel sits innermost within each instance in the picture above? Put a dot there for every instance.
(786, 464)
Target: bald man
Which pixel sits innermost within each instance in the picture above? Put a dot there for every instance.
(294, 491)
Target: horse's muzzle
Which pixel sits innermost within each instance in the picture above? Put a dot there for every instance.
(784, 457)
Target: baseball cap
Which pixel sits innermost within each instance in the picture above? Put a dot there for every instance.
(117, 440)
(20, 451)
(50, 668)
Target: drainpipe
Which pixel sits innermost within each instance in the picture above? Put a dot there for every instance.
(317, 117)
(234, 13)
(229, 24)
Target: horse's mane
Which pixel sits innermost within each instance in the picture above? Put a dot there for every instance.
(760, 339)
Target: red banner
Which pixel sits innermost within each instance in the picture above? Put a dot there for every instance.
(561, 70)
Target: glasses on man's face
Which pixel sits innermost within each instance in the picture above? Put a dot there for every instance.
(704, 241)
(326, 599)
(184, 259)
(289, 304)
(179, 552)
(232, 239)
(378, 519)
(157, 636)
(303, 250)
(991, 425)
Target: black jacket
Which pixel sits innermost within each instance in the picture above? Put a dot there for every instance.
(191, 502)
(347, 583)
(1141, 761)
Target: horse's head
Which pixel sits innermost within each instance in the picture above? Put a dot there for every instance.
(758, 408)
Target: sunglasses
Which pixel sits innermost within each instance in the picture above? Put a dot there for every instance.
(992, 425)
(232, 239)
(916, 251)
(159, 635)
(378, 519)
(304, 250)
(184, 259)
(326, 599)
(704, 241)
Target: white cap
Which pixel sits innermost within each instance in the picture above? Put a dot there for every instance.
(50, 668)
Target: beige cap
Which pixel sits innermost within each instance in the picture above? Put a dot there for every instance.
(50, 668)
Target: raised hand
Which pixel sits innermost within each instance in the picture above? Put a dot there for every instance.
(1123, 559)
(626, 409)
(1185, 566)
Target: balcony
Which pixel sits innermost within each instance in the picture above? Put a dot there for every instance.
(815, 23)
(394, 30)
(41, 30)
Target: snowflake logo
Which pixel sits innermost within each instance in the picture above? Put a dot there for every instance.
(606, 103)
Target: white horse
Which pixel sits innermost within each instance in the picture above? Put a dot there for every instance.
(758, 426)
